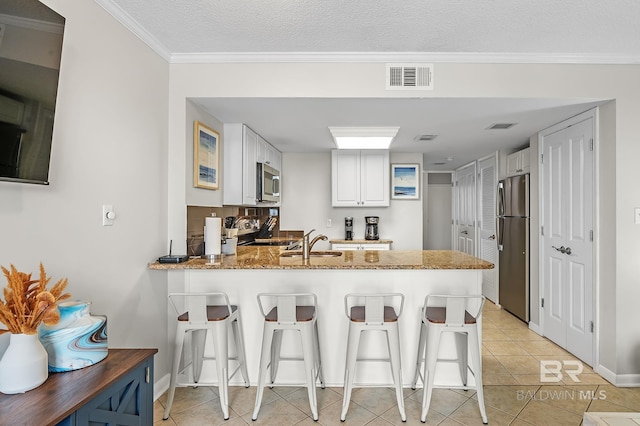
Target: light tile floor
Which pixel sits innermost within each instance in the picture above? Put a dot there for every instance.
(513, 393)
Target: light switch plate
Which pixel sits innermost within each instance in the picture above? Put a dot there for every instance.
(106, 208)
(637, 215)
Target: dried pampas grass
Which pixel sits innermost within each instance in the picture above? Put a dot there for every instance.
(27, 302)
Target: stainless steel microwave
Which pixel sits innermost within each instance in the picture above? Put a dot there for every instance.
(268, 184)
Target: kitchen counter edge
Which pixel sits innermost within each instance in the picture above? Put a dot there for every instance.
(269, 258)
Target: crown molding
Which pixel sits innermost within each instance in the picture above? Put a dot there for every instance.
(132, 25)
(407, 57)
(32, 24)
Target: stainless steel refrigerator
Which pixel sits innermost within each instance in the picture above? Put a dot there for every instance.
(513, 245)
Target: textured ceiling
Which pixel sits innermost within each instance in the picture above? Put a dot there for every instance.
(574, 28)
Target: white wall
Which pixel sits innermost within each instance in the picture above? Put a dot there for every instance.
(109, 147)
(306, 204)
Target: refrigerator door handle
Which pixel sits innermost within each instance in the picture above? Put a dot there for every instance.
(500, 198)
(499, 233)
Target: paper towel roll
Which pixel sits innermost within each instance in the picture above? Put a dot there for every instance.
(212, 235)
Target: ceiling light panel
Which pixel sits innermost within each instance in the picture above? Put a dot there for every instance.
(363, 137)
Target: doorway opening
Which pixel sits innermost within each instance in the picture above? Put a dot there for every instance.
(438, 207)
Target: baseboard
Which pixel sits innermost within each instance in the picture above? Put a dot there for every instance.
(619, 380)
(535, 328)
(161, 386)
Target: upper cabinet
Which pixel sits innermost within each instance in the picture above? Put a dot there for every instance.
(518, 162)
(360, 178)
(268, 154)
(243, 149)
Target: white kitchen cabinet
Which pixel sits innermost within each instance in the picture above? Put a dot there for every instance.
(368, 246)
(239, 168)
(518, 163)
(243, 149)
(360, 178)
(268, 154)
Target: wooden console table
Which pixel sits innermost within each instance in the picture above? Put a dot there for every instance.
(118, 389)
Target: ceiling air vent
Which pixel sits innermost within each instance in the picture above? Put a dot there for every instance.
(501, 126)
(425, 138)
(409, 76)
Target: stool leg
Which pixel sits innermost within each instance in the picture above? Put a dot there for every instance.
(476, 362)
(393, 343)
(462, 351)
(198, 338)
(353, 340)
(242, 355)
(221, 348)
(431, 358)
(276, 345)
(420, 356)
(308, 350)
(318, 359)
(267, 337)
(177, 353)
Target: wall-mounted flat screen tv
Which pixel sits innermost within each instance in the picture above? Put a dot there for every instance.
(30, 50)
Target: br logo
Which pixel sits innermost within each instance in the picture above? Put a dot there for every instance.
(552, 371)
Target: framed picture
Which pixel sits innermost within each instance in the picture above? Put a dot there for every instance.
(405, 181)
(206, 156)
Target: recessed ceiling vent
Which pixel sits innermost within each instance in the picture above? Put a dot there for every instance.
(501, 126)
(425, 138)
(409, 76)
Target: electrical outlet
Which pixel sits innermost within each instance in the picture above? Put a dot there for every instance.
(329, 223)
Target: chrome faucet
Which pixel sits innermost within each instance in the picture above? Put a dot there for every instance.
(307, 246)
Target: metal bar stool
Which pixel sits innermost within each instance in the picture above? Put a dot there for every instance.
(450, 314)
(206, 311)
(368, 312)
(292, 311)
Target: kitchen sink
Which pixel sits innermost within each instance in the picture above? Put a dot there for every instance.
(312, 254)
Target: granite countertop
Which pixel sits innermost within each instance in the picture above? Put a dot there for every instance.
(361, 241)
(268, 257)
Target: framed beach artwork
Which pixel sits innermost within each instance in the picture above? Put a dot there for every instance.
(405, 181)
(206, 156)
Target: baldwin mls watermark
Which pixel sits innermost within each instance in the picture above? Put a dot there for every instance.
(555, 371)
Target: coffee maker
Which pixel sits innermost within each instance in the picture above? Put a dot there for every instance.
(371, 229)
(348, 228)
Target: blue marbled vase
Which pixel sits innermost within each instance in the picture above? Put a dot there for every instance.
(78, 340)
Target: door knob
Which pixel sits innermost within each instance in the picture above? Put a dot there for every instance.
(493, 237)
(464, 232)
(563, 249)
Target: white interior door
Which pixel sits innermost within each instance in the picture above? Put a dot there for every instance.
(466, 209)
(488, 249)
(567, 240)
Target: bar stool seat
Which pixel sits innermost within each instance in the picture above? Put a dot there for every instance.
(450, 314)
(290, 311)
(206, 312)
(368, 312)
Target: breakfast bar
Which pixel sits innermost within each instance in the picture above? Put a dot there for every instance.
(331, 275)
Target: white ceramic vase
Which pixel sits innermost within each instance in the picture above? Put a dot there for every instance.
(24, 364)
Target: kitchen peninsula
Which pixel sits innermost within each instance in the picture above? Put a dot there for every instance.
(331, 275)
